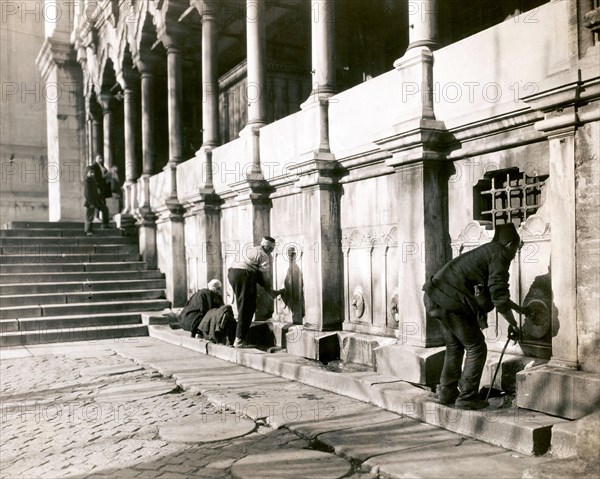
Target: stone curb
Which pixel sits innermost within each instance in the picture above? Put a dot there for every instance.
(526, 432)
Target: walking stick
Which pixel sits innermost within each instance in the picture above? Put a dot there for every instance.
(512, 334)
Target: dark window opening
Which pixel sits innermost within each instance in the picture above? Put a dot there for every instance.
(508, 196)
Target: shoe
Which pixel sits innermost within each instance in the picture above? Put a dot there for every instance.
(472, 404)
(446, 395)
(89, 234)
(241, 344)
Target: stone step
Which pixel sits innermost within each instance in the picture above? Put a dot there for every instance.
(72, 267)
(72, 321)
(46, 224)
(66, 240)
(80, 286)
(86, 276)
(58, 233)
(82, 297)
(115, 256)
(121, 331)
(18, 312)
(67, 249)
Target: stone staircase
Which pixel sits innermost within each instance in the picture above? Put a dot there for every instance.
(57, 284)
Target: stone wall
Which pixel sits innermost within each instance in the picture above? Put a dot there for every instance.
(23, 158)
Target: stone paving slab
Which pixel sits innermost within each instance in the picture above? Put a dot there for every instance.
(135, 391)
(342, 418)
(206, 428)
(455, 458)
(303, 464)
(110, 370)
(362, 443)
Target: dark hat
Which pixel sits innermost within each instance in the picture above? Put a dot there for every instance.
(269, 239)
(504, 234)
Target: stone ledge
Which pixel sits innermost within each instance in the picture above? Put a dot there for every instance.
(558, 391)
(360, 348)
(563, 440)
(410, 363)
(510, 366)
(318, 345)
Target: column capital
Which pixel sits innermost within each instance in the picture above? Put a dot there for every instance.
(128, 78)
(415, 140)
(146, 63)
(106, 99)
(208, 9)
(172, 38)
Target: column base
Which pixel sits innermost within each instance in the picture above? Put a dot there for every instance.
(126, 222)
(170, 241)
(558, 391)
(410, 363)
(147, 237)
(310, 344)
(358, 348)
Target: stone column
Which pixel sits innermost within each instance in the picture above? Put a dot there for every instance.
(320, 200)
(97, 145)
(106, 102)
(323, 72)
(170, 224)
(418, 157)
(570, 121)
(563, 265)
(130, 117)
(203, 216)
(256, 85)
(256, 51)
(560, 125)
(210, 86)
(416, 65)
(146, 217)
(323, 47)
(175, 104)
(65, 125)
(148, 115)
(210, 93)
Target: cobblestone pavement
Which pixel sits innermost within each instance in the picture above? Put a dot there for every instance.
(55, 424)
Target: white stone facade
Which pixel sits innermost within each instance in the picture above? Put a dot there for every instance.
(371, 187)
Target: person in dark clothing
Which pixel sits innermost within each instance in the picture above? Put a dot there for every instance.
(460, 295)
(93, 202)
(243, 276)
(102, 176)
(218, 325)
(199, 304)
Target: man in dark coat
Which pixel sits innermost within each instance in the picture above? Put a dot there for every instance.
(460, 295)
(199, 304)
(93, 202)
(218, 325)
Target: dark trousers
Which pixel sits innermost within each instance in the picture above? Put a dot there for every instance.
(243, 283)
(89, 217)
(462, 333)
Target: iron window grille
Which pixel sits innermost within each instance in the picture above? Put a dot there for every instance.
(508, 196)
